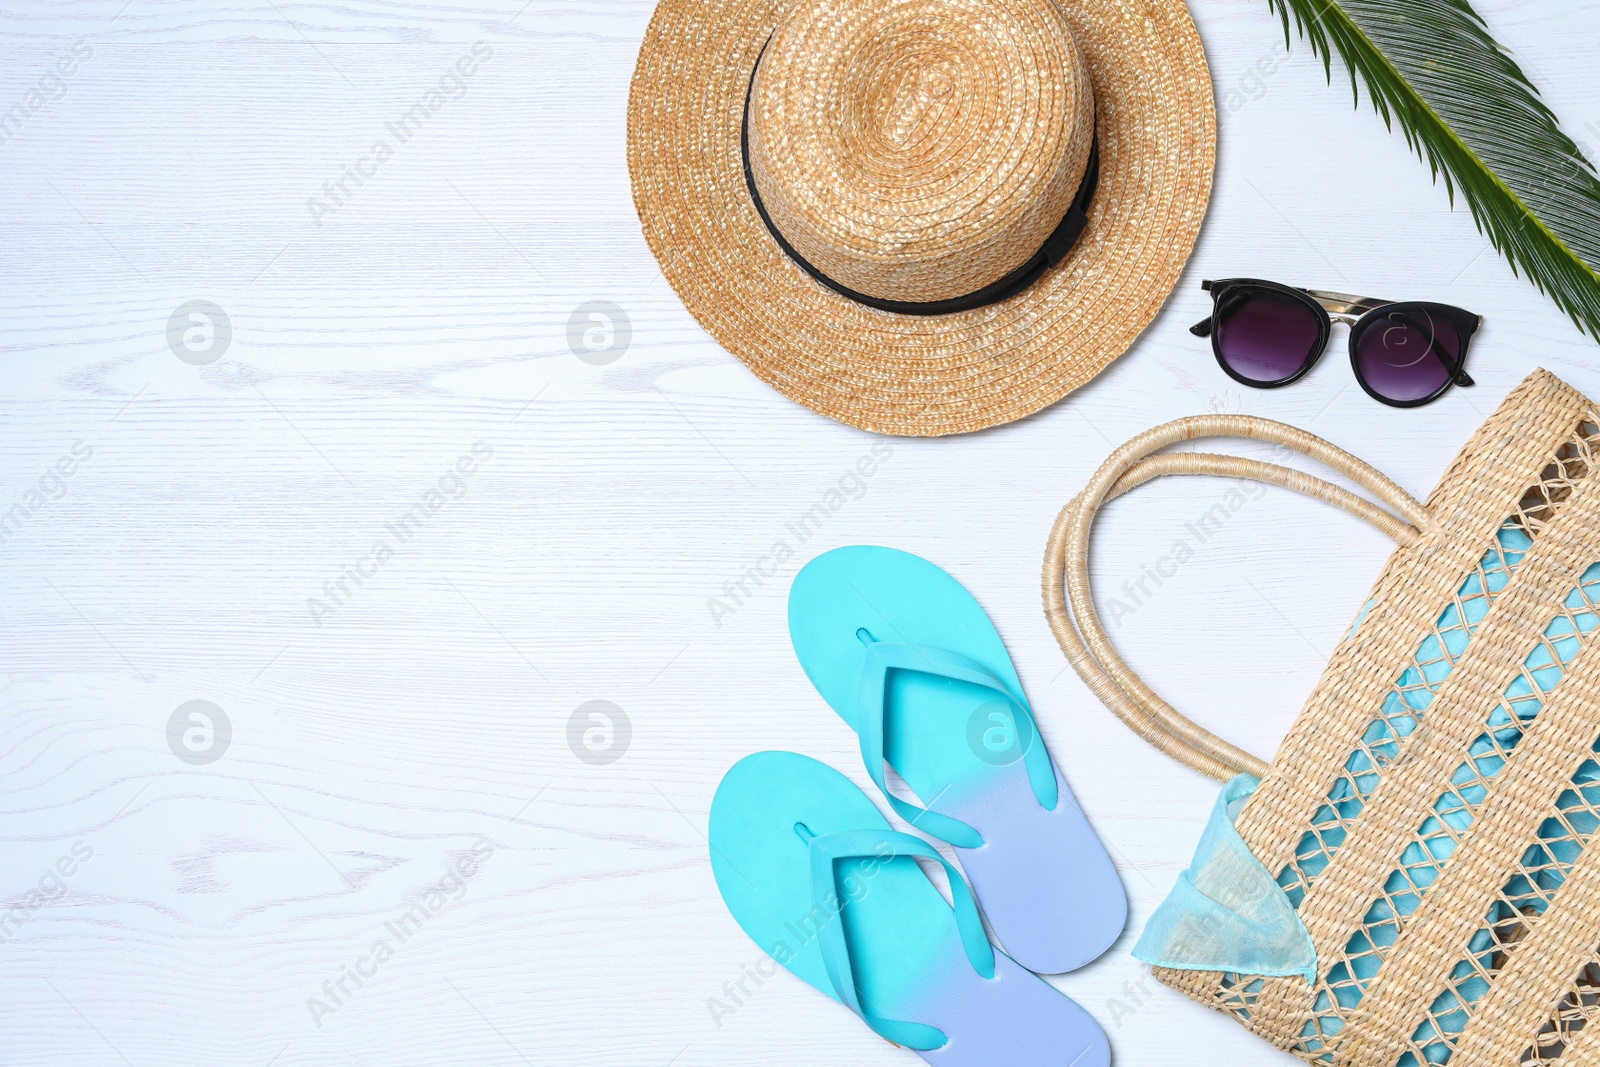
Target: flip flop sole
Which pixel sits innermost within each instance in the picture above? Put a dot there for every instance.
(1047, 886)
(904, 947)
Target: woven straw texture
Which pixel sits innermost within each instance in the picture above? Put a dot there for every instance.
(871, 175)
(1433, 812)
(919, 150)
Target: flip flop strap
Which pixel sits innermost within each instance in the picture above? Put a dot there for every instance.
(873, 705)
(884, 846)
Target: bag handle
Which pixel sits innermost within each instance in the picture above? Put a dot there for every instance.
(1069, 604)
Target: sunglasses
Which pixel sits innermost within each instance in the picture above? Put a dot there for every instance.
(1404, 354)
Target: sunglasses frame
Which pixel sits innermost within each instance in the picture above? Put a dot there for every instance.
(1356, 312)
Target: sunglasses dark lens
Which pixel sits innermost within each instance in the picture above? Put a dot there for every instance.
(1407, 353)
(1265, 337)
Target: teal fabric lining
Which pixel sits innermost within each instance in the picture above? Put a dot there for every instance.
(1528, 893)
(1403, 709)
(1454, 811)
(1361, 617)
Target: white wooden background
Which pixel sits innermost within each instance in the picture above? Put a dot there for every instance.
(427, 716)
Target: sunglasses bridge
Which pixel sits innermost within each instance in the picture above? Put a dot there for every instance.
(1345, 307)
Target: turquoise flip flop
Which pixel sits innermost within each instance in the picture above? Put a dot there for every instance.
(813, 873)
(909, 659)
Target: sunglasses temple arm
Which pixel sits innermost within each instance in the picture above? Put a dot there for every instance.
(1459, 373)
(1226, 306)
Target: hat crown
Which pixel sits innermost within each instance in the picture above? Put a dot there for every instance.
(919, 150)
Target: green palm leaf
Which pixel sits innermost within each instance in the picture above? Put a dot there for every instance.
(1465, 106)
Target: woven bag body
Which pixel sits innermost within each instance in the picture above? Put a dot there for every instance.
(1434, 812)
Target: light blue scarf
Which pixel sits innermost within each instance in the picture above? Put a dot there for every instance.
(1227, 913)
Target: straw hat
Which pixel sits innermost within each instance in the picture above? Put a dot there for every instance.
(875, 204)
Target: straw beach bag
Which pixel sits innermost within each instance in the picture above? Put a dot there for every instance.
(1432, 816)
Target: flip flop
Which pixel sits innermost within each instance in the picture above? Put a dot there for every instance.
(908, 658)
(816, 877)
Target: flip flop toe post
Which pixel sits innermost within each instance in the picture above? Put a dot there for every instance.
(816, 877)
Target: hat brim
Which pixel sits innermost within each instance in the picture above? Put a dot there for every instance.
(907, 374)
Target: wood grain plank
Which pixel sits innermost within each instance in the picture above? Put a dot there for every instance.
(376, 745)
